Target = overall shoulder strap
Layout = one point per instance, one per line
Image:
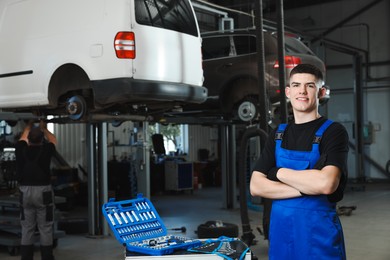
(321, 130)
(279, 133)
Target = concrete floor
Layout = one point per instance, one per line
(367, 230)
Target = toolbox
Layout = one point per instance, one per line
(137, 225)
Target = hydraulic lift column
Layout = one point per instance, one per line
(97, 177)
(228, 165)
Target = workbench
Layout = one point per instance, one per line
(10, 229)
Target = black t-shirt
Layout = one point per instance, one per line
(334, 144)
(33, 163)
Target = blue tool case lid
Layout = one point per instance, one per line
(133, 220)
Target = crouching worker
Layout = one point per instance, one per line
(34, 151)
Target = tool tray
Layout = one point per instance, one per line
(137, 225)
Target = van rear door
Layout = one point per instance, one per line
(170, 39)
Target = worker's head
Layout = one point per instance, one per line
(305, 88)
(309, 69)
(35, 136)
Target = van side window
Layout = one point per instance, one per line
(173, 15)
(215, 47)
(245, 44)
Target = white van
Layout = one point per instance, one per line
(123, 56)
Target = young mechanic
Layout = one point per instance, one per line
(303, 170)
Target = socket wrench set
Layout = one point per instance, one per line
(137, 225)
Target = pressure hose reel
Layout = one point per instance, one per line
(247, 236)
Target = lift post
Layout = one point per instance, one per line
(97, 177)
(228, 161)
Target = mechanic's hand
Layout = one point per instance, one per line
(29, 124)
(42, 125)
(272, 174)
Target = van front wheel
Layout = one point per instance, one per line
(76, 107)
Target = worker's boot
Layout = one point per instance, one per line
(47, 252)
(27, 252)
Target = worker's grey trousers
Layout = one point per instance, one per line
(37, 211)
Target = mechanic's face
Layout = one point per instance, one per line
(304, 92)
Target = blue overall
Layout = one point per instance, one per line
(305, 227)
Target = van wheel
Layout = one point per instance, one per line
(247, 110)
(76, 107)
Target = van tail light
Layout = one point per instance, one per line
(290, 62)
(124, 45)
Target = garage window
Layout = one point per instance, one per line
(175, 137)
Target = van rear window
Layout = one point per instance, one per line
(295, 45)
(173, 15)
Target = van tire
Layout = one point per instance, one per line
(76, 107)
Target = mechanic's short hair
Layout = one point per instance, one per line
(35, 136)
(308, 68)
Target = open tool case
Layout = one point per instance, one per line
(137, 225)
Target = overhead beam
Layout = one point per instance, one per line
(347, 19)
